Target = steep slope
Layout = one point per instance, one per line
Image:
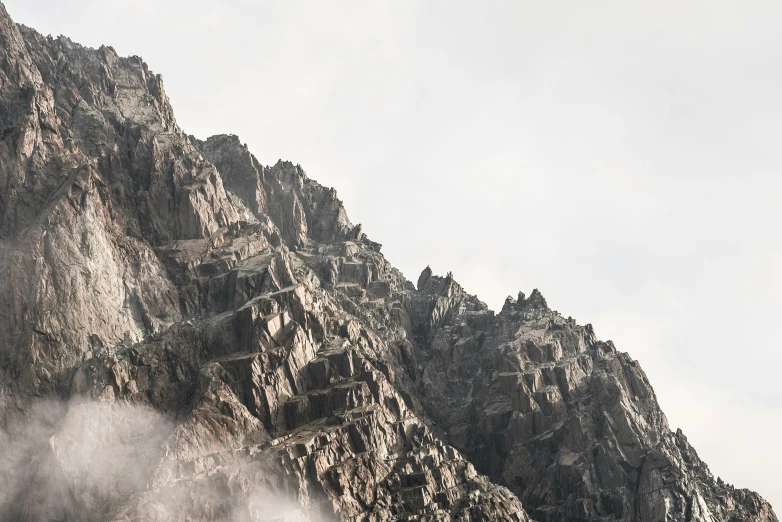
(186, 334)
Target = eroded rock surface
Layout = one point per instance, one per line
(186, 334)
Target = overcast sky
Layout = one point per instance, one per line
(623, 157)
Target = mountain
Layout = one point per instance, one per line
(186, 334)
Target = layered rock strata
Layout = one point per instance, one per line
(249, 354)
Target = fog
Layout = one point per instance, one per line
(77, 458)
(89, 460)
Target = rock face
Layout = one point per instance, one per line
(186, 334)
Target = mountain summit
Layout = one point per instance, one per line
(186, 334)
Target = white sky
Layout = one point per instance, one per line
(623, 157)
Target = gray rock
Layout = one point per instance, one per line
(186, 334)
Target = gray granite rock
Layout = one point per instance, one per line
(186, 334)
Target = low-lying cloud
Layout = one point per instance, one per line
(78, 459)
(89, 460)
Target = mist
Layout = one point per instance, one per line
(89, 460)
(82, 457)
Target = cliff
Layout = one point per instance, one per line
(186, 334)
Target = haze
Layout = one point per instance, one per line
(623, 157)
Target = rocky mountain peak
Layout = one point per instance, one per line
(187, 334)
(522, 302)
(426, 274)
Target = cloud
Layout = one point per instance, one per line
(89, 460)
(77, 459)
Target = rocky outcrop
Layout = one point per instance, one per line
(562, 419)
(186, 334)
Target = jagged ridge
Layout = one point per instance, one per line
(145, 267)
